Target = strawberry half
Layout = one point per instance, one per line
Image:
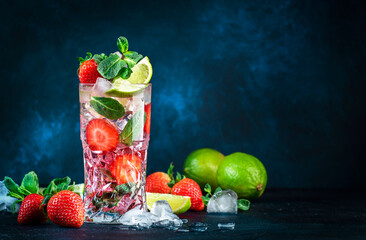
(188, 187)
(30, 211)
(148, 118)
(66, 209)
(88, 70)
(126, 168)
(101, 135)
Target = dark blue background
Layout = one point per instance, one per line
(281, 80)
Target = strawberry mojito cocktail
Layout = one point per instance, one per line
(115, 112)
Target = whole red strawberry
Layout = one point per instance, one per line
(30, 211)
(66, 209)
(188, 187)
(88, 72)
(157, 182)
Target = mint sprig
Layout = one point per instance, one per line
(115, 66)
(243, 204)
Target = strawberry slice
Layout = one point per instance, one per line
(126, 168)
(101, 135)
(148, 118)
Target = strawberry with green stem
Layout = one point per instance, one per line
(34, 199)
(157, 182)
(187, 187)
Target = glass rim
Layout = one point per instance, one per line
(92, 84)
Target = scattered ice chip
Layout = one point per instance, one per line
(198, 227)
(230, 226)
(101, 86)
(5, 201)
(225, 201)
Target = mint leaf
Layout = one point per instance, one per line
(107, 107)
(111, 66)
(122, 44)
(30, 183)
(217, 190)
(205, 200)
(99, 57)
(133, 128)
(208, 189)
(132, 58)
(125, 188)
(125, 72)
(243, 204)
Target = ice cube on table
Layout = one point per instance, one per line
(163, 211)
(101, 86)
(5, 201)
(225, 201)
(230, 226)
(137, 218)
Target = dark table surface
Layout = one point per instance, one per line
(279, 214)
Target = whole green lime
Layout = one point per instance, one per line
(201, 166)
(244, 174)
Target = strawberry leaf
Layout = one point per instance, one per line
(13, 187)
(30, 183)
(88, 57)
(99, 57)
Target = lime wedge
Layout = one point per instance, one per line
(123, 88)
(179, 204)
(79, 189)
(141, 72)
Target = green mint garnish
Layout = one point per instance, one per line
(132, 129)
(122, 44)
(111, 66)
(115, 66)
(243, 204)
(107, 107)
(132, 58)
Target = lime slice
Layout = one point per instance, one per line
(79, 189)
(123, 88)
(179, 204)
(141, 72)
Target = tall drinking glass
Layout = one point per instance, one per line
(115, 133)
